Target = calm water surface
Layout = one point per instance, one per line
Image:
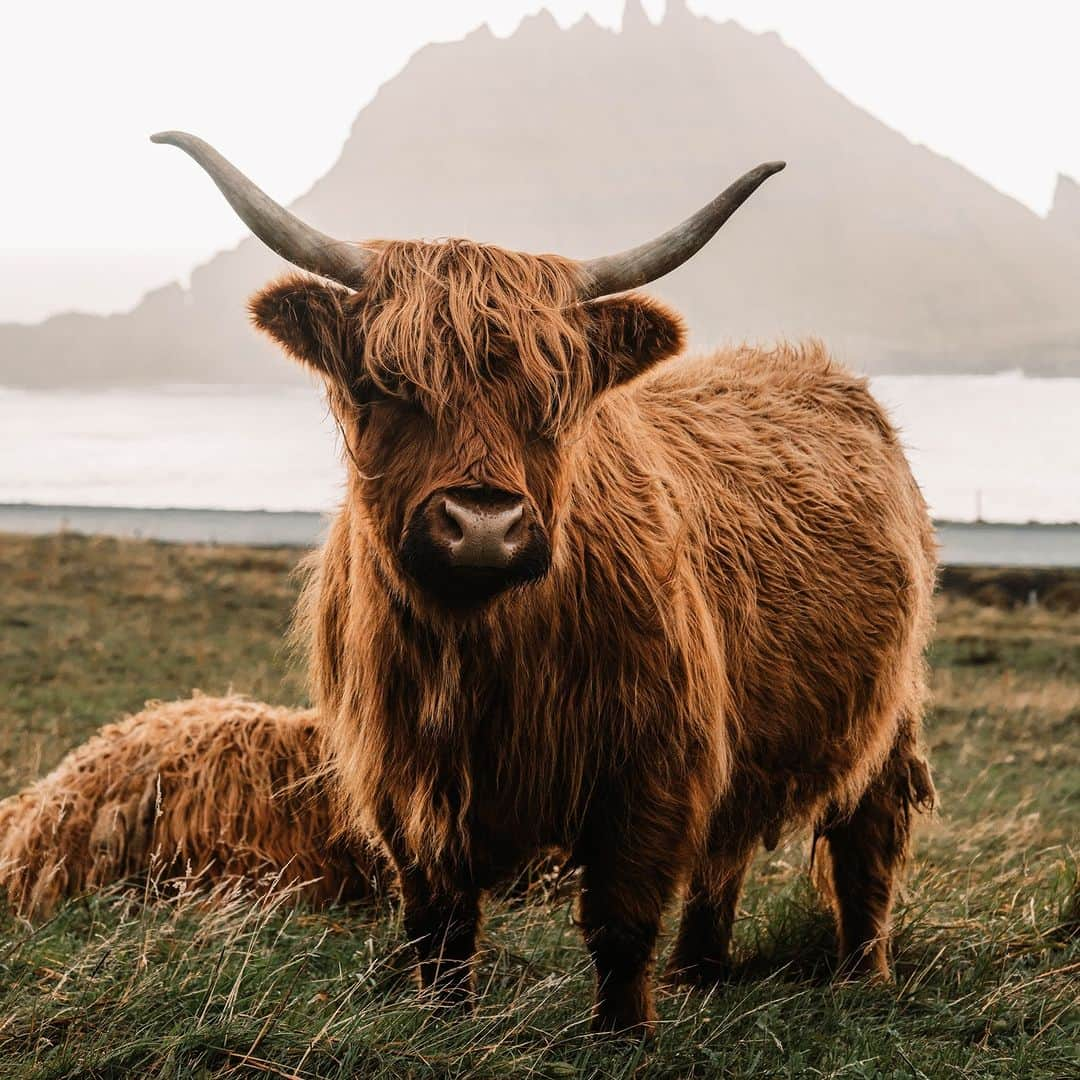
(1003, 447)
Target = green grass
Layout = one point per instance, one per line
(987, 945)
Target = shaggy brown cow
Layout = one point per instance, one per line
(649, 612)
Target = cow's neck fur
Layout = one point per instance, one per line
(432, 708)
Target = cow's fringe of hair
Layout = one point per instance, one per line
(441, 318)
(209, 789)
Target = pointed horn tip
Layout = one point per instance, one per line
(769, 168)
(173, 138)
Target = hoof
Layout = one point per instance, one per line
(870, 966)
(617, 1026)
(698, 974)
(625, 1012)
(449, 995)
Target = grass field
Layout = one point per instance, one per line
(987, 944)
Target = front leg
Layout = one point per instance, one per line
(441, 923)
(633, 863)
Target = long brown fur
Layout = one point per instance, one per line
(728, 643)
(209, 789)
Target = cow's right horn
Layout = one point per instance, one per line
(275, 226)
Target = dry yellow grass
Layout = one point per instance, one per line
(987, 946)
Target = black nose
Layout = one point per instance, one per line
(463, 546)
(480, 530)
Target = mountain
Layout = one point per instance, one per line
(585, 141)
(1065, 210)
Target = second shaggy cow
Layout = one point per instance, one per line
(208, 790)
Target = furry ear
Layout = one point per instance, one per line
(307, 318)
(630, 333)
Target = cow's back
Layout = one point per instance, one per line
(816, 551)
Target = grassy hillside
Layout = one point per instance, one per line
(987, 949)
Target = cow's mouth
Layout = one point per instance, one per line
(467, 588)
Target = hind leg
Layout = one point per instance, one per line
(702, 949)
(866, 850)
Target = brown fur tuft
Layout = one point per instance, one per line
(439, 321)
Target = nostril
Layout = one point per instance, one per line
(513, 524)
(450, 523)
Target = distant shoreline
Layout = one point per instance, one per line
(962, 543)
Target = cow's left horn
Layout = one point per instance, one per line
(640, 265)
(278, 229)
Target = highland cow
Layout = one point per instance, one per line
(588, 592)
(209, 790)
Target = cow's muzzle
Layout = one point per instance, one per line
(463, 546)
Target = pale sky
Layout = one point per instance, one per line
(92, 215)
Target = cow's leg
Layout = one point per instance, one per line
(442, 924)
(630, 873)
(441, 921)
(702, 949)
(866, 850)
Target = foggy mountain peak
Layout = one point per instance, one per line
(1065, 209)
(587, 140)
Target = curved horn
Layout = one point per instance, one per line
(640, 265)
(278, 229)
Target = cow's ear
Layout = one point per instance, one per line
(628, 334)
(308, 319)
